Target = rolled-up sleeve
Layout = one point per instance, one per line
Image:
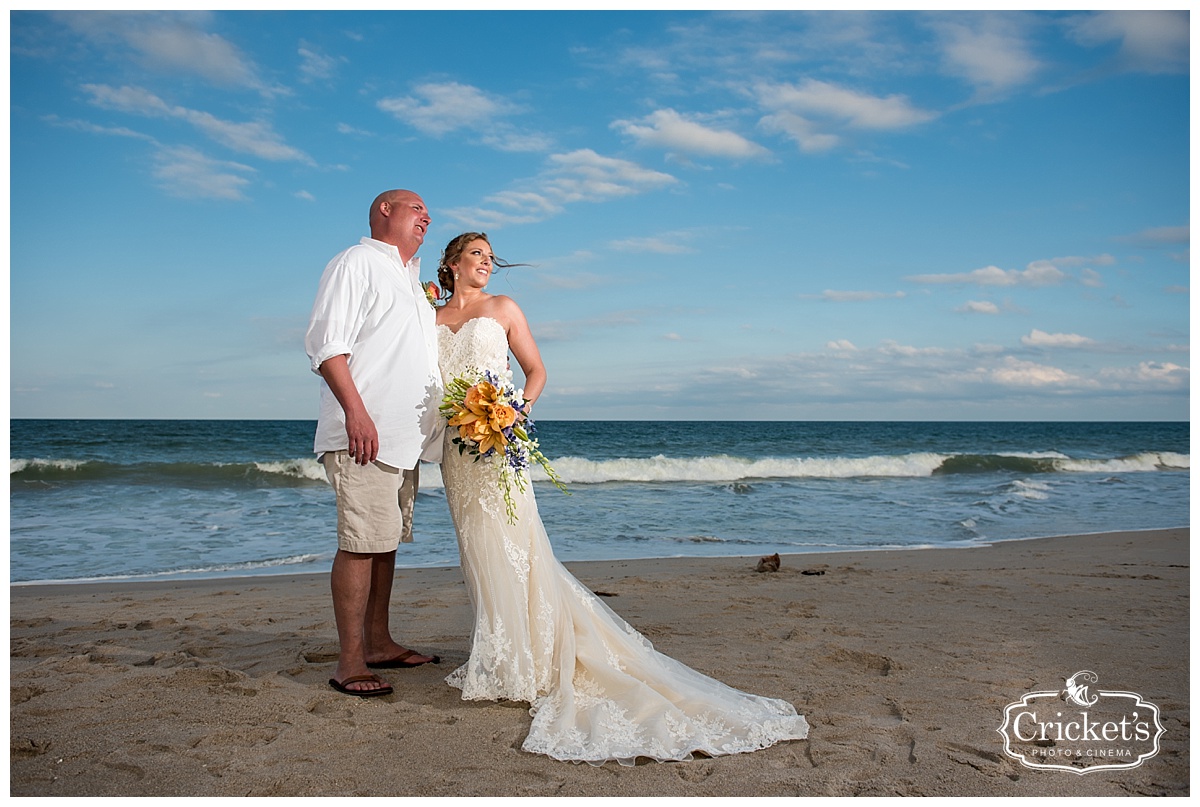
(337, 313)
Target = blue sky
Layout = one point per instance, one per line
(785, 215)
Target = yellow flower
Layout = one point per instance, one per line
(463, 416)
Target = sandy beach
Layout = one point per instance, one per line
(903, 663)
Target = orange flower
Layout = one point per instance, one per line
(480, 397)
(501, 416)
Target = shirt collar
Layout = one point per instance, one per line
(391, 251)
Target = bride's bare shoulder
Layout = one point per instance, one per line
(505, 310)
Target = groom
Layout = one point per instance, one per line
(372, 339)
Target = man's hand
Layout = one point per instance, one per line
(363, 437)
(361, 433)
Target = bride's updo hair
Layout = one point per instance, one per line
(454, 251)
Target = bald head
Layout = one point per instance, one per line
(399, 217)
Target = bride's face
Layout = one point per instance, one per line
(474, 267)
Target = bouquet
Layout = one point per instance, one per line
(494, 425)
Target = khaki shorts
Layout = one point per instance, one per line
(374, 503)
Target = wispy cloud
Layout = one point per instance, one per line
(503, 138)
(836, 296)
(1149, 374)
(1038, 273)
(257, 138)
(92, 128)
(1014, 372)
(179, 170)
(1161, 236)
(978, 307)
(184, 171)
(315, 66)
(674, 243)
(852, 108)
(1037, 338)
(668, 129)
(992, 52)
(438, 108)
(812, 112)
(347, 129)
(801, 130)
(1150, 41)
(577, 176)
(174, 42)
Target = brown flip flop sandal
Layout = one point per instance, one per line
(362, 693)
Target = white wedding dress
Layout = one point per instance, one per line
(598, 689)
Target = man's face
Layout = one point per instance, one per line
(408, 219)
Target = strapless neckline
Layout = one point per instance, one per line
(468, 322)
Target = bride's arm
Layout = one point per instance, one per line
(525, 350)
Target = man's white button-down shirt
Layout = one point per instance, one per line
(370, 305)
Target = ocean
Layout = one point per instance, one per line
(100, 500)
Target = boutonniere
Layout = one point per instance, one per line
(432, 293)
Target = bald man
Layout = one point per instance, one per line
(373, 340)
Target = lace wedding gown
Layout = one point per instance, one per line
(598, 689)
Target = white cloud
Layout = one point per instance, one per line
(347, 129)
(184, 171)
(170, 41)
(503, 139)
(577, 176)
(841, 344)
(92, 128)
(1091, 278)
(801, 130)
(584, 175)
(850, 107)
(1038, 273)
(859, 296)
(314, 65)
(890, 347)
(305, 195)
(440, 108)
(1014, 372)
(1079, 260)
(1038, 338)
(674, 243)
(1151, 41)
(1161, 236)
(253, 137)
(668, 129)
(991, 51)
(978, 307)
(1149, 374)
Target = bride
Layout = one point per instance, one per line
(598, 689)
